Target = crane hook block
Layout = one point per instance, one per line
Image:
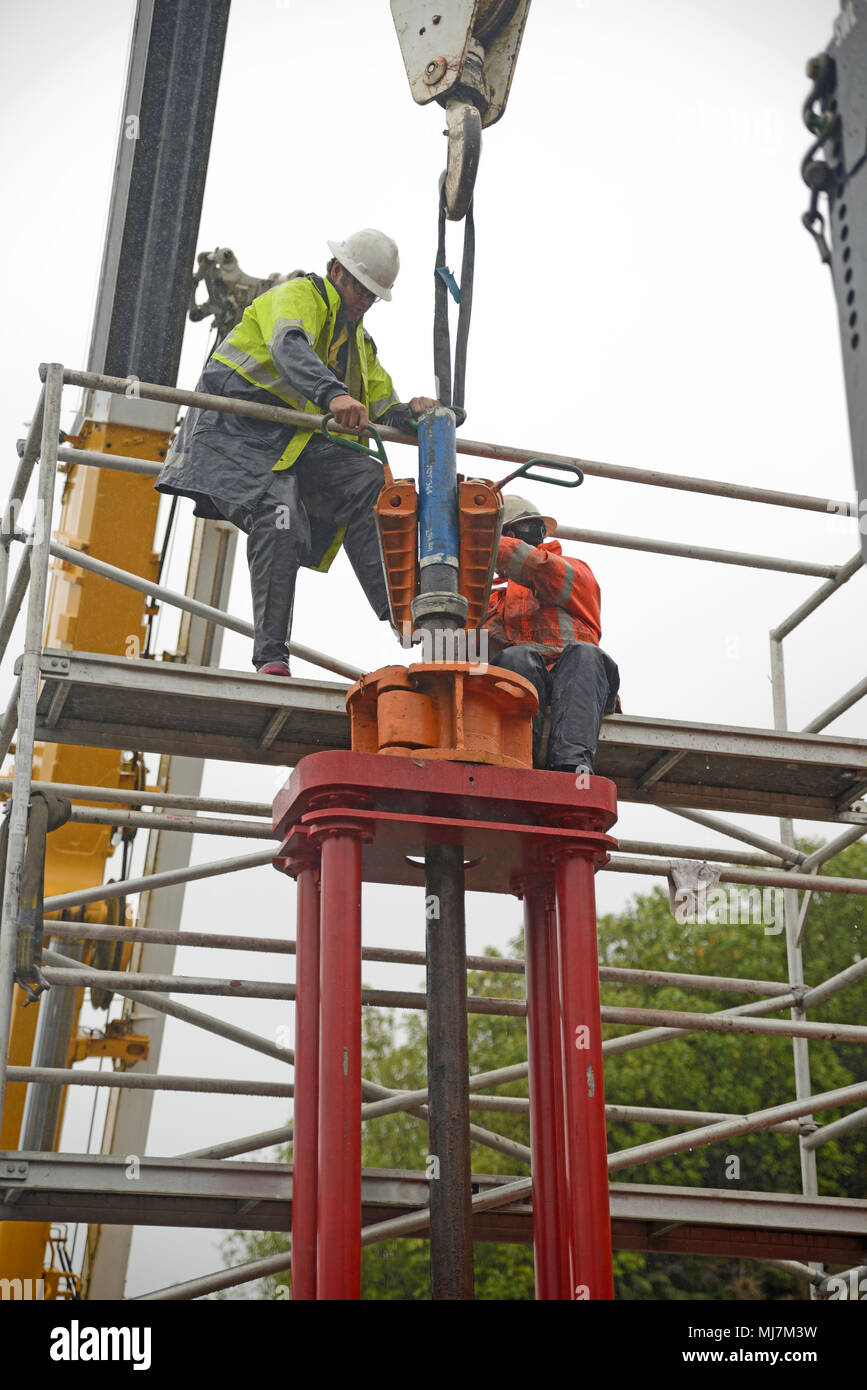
(461, 48)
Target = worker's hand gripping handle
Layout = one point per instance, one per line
(378, 452)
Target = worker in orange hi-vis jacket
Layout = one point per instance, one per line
(543, 623)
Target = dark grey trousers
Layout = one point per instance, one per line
(580, 690)
(294, 524)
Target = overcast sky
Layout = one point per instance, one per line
(645, 295)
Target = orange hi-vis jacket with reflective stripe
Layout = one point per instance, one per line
(545, 600)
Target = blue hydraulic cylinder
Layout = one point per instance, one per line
(438, 604)
(438, 490)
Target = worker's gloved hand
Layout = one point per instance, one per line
(349, 413)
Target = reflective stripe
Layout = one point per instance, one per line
(259, 374)
(237, 357)
(325, 563)
(567, 627)
(283, 324)
(566, 588)
(516, 561)
(378, 408)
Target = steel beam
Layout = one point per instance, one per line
(156, 201)
(448, 1073)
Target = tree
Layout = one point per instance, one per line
(700, 1071)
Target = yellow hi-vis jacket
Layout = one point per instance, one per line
(253, 351)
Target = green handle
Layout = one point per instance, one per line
(378, 452)
(576, 479)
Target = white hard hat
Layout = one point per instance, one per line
(371, 257)
(519, 509)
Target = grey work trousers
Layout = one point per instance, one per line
(581, 688)
(294, 523)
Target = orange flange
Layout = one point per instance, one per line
(479, 514)
(397, 523)
(444, 710)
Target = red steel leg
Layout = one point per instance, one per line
(306, 1119)
(339, 1185)
(550, 1197)
(586, 1155)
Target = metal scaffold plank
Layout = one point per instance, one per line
(194, 711)
(231, 1195)
(106, 701)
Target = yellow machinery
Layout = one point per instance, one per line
(85, 613)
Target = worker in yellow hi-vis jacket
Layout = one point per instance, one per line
(297, 496)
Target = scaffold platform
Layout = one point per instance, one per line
(197, 711)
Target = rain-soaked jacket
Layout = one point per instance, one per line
(219, 457)
(544, 599)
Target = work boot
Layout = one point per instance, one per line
(275, 668)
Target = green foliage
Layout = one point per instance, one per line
(733, 1073)
(730, 1073)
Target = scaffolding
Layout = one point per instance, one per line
(692, 770)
